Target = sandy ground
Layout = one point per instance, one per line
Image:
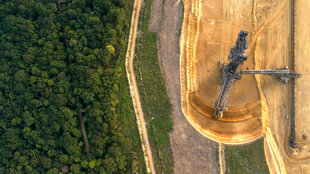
(302, 63)
(147, 152)
(280, 157)
(295, 160)
(192, 152)
(258, 104)
(210, 28)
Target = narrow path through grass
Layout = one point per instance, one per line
(130, 128)
(153, 94)
(127, 116)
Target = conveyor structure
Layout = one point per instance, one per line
(229, 73)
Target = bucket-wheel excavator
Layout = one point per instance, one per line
(229, 73)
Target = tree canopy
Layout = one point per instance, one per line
(59, 84)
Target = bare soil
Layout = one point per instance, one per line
(210, 28)
(258, 104)
(192, 152)
(277, 42)
(302, 63)
(296, 161)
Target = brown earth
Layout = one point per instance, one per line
(210, 28)
(302, 63)
(192, 152)
(295, 160)
(258, 104)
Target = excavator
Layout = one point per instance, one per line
(229, 73)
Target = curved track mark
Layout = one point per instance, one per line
(265, 24)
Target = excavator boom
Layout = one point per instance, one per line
(237, 58)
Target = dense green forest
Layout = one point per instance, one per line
(59, 86)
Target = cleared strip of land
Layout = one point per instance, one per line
(134, 90)
(192, 153)
(153, 93)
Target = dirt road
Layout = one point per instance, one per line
(192, 152)
(134, 89)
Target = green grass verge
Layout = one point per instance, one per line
(153, 94)
(127, 117)
(129, 126)
(248, 158)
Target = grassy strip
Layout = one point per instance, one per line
(153, 94)
(246, 159)
(129, 126)
(126, 114)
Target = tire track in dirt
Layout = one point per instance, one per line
(222, 162)
(147, 153)
(275, 154)
(276, 157)
(265, 24)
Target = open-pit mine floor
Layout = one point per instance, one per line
(279, 33)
